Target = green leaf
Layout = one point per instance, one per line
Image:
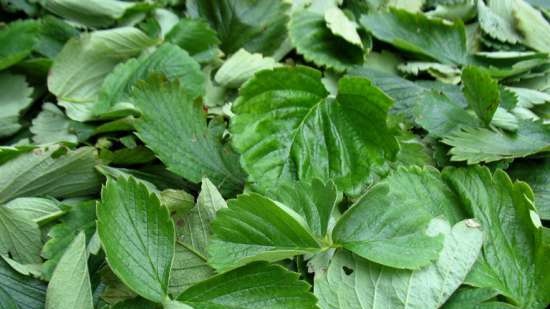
(441, 116)
(138, 237)
(51, 171)
(19, 236)
(174, 127)
(92, 13)
(314, 201)
(257, 26)
(446, 73)
(28, 293)
(72, 272)
(197, 38)
(240, 67)
(193, 229)
(376, 229)
(52, 126)
(189, 268)
(80, 68)
(537, 174)
(255, 228)
(78, 218)
(476, 145)
(17, 41)
(6, 302)
(254, 286)
(317, 43)
(37, 209)
(15, 97)
(481, 91)
(352, 282)
(496, 25)
(514, 259)
(532, 25)
(341, 26)
(286, 128)
(168, 59)
(482, 298)
(433, 38)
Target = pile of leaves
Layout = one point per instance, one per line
(274, 154)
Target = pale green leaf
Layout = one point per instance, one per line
(514, 260)
(138, 237)
(481, 91)
(434, 38)
(20, 236)
(193, 229)
(52, 126)
(495, 25)
(376, 228)
(174, 127)
(316, 42)
(189, 268)
(532, 25)
(72, 271)
(287, 129)
(14, 99)
(443, 72)
(255, 228)
(341, 26)
(80, 68)
(478, 298)
(240, 67)
(93, 13)
(50, 171)
(476, 145)
(255, 286)
(35, 208)
(352, 282)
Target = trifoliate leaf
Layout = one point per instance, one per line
(476, 145)
(80, 68)
(174, 127)
(341, 26)
(17, 41)
(138, 237)
(72, 271)
(26, 292)
(514, 259)
(434, 38)
(255, 228)
(376, 229)
(257, 26)
(240, 67)
(14, 99)
(168, 59)
(314, 201)
(255, 286)
(352, 282)
(50, 171)
(481, 91)
(197, 38)
(317, 43)
(287, 129)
